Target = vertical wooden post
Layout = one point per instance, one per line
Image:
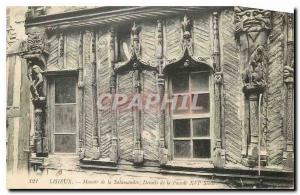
(96, 148)
(218, 153)
(288, 155)
(113, 86)
(138, 154)
(81, 149)
(163, 152)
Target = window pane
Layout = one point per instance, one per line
(200, 103)
(180, 83)
(201, 148)
(201, 127)
(182, 128)
(182, 149)
(65, 118)
(182, 104)
(199, 81)
(65, 90)
(65, 143)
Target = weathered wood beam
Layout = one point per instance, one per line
(288, 155)
(218, 152)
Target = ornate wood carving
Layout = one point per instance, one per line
(113, 86)
(187, 41)
(252, 30)
(95, 144)
(163, 152)
(36, 53)
(219, 153)
(138, 153)
(81, 149)
(288, 74)
(136, 47)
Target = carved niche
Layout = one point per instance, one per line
(252, 28)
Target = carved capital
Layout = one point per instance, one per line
(288, 74)
(36, 48)
(251, 20)
(218, 77)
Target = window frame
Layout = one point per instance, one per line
(51, 113)
(191, 116)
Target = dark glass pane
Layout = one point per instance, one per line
(180, 83)
(65, 118)
(65, 143)
(65, 90)
(199, 81)
(200, 103)
(201, 127)
(182, 128)
(182, 149)
(182, 104)
(201, 148)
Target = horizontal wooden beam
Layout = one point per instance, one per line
(109, 15)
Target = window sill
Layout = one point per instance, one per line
(190, 164)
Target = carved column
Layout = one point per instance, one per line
(252, 30)
(218, 152)
(81, 149)
(138, 153)
(36, 53)
(113, 86)
(288, 73)
(163, 152)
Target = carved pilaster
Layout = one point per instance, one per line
(95, 143)
(288, 74)
(187, 41)
(113, 86)
(252, 30)
(81, 149)
(138, 153)
(218, 152)
(36, 53)
(163, 152)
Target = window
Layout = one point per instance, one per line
(191, 138)
(64, 125)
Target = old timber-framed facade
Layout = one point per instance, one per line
(239, 61)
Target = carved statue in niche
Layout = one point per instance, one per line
(252, 28)
(36, 77)
(253, 77)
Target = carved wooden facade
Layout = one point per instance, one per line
(247, 52)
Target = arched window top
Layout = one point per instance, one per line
(187, 62)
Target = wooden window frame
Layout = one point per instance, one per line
(51, 114)
(191, 116)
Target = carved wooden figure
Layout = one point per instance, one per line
(252, 30)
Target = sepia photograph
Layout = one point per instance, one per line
(150, 97)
